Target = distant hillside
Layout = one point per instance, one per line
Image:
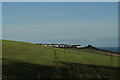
(25, 60)
(97, 50)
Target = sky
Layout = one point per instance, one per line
(0, 20)
(84, 23)
(60, 0)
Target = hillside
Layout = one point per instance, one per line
(25, 60)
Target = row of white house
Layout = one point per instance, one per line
(62, 45)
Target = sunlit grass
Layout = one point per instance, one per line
(74, 59)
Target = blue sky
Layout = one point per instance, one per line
(81, 23)
(60, 0)
(0, 20)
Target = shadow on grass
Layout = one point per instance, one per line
(16, 69)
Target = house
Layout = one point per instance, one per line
(78, 46)
(62, 45)
(56, 45)
(75, 46)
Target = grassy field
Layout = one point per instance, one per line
(27, 60)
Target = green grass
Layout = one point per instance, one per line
(21, 58)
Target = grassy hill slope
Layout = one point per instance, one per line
(25, 60)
